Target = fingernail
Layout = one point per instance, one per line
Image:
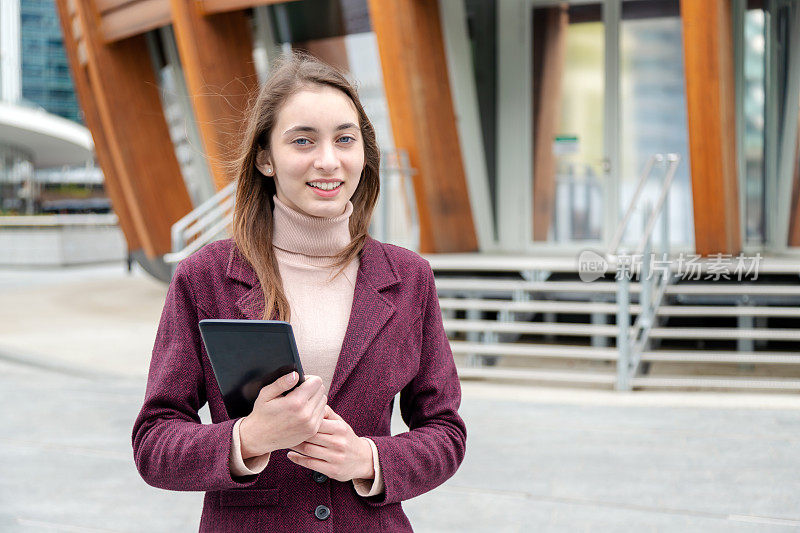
(291, 377)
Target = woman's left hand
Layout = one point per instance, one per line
(335, 451)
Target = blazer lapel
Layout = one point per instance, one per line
(370, 311)
(251, 304)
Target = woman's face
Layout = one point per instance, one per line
(316, 152)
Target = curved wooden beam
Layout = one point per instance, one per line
(710, 98)
(216, 55)
(423, 119)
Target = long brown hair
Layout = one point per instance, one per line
(252, 216)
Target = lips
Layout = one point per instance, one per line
(326, 183)
(326, 194)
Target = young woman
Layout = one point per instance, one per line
(365, 316)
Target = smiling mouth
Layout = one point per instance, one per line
(325, 186)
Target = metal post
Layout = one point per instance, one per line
(665, 228)
(645, 279)
(623, 326)
(474, 360)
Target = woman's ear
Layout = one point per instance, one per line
(263, 164)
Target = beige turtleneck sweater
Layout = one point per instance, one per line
(305, 247)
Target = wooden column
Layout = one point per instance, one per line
(216, 55)
(794, 215)
(549, 52)
(332, 51)
(708, 58)
(417, 88)
(70, 28)
(131, 127)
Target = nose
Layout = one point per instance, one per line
(327, 159)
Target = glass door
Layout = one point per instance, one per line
(653, 113)
(569, 170)
(570, 166)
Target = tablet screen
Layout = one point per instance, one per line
(246, 355)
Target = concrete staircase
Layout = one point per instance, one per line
(532, 319)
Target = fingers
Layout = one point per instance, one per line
(332, 415)
(320, 439)
(319, 411)
(313, 450)
(277, 387)
(308, 462)
(330, 427)
(310, 387)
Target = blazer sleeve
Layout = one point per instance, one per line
(172, 449)
(424, 457)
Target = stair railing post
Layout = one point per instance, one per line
(645, 277)
(623, 326)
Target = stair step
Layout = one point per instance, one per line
(483, 262)
(534, 350)
(551, 306)
(698, 356)
(710, 382)
(733, 310)
(487, 285)
(784, 334)
(487, 262)
(733, 289)
(536, 328)
(535, 306)
(551, 376)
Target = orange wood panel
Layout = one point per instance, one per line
(216, 54)
(72, 31)
(133, 18)
(417, 89)
(107, 5)
(332, 50)
(550, 53)
(125, 92)
(794, 216)
(221, 6)
(708, 60)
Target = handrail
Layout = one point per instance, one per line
(201, 225)
(623, 225)
(632, 340)
(674, 160)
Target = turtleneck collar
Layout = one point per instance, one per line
(308, 235)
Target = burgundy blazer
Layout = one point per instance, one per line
(394, 343)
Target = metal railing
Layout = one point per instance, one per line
(633, 339)
(202, 225)
(578, 203)
(395, 219)
(396, 209)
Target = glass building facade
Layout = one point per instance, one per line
(46, 78)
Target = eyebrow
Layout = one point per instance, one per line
(311, 129)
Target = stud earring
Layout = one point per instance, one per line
(269, 171)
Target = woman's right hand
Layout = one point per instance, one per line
(279, 422)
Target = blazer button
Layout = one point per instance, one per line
(322, 512)
(319, 477)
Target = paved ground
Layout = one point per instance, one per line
(537, 459)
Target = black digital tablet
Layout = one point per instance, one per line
(246, 355)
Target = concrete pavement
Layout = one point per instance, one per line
(537, 459)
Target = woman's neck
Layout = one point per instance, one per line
(301, 233)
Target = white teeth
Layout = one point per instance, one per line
(325, 186)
